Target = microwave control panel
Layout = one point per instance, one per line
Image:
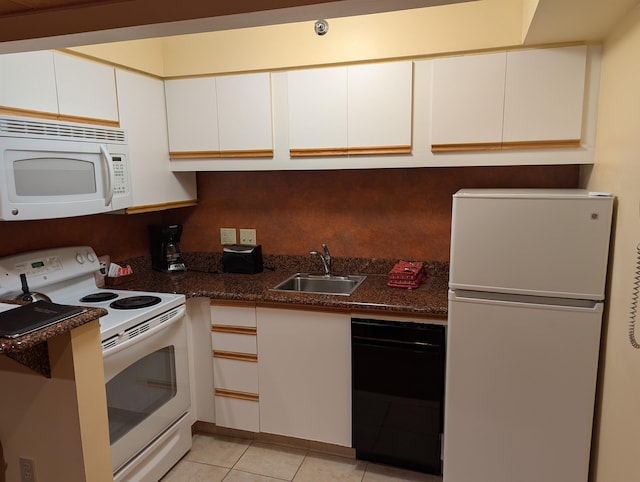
(120, 176)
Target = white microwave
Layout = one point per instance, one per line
(54, 169)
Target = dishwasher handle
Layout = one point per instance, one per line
(370, 340)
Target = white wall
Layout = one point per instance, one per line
(412, 33)
(617, 169)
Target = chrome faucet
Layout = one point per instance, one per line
(325, 258)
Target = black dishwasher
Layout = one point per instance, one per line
(398, 392)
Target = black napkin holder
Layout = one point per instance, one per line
(242, 258)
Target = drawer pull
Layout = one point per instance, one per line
(221, 392)
(230, 355)
(238, 330)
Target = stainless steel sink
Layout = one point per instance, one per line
(328, 285)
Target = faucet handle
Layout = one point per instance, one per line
(326, 250)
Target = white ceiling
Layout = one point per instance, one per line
(69, 24)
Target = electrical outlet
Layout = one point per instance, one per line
(27, 470)
(228, 236)
(248, 236)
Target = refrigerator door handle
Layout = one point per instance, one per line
(522, 300)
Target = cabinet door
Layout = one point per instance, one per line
(305, 374)
(235, 366)
(244, 114)
(155, 186)
(200, 371)
(235, 314)
(192, 115)
(86, 89)
(318, 111)
(544, 94)
(380, 106)
(27, 82)
(468, 98)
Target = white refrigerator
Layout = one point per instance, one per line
(526, 290)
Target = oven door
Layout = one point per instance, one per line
(147, 384)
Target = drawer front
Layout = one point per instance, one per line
(237, 413)
(233, 315)
(237, 375)
(234, 342)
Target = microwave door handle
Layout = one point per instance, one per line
(109, 161)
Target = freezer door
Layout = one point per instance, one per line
(536, 245)
(520, 390)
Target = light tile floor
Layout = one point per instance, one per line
(216, 458)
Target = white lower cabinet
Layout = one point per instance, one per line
(235, 366)
(305, 374)
(282, 371)
(200, 372)
(237, 413)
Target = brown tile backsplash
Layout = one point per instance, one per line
(369, 213)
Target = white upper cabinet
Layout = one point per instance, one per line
(506, 100)
(468, 97)
(54, 85)
(380, 104)
(155, 186)
(244, 112)
(192, 114)
(27, 82)
(361, 109)
(544, 94)
(228, 116)
(86, 89)
(318, 109)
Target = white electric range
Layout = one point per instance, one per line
(145, 356)
(66, 275)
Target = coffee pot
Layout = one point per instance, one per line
(165, 248)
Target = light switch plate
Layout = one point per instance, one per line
(228, 235)
(248, 236)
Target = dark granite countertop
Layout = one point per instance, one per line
(31, 349)
(21, 343)
(205, 278)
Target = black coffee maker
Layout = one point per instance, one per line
(165, 248)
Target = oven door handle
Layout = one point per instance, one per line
(179, 315)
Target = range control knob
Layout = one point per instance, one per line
(80, 258)
(91, 257)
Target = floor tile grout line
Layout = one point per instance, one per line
(300, 466)
(276, 446)
(229, 469)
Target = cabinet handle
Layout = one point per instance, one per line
(238, 330)
(221, 392)
(510, 145)
(348, 151)
(230, 355)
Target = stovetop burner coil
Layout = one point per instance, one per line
(134, 302)
(98, 297)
